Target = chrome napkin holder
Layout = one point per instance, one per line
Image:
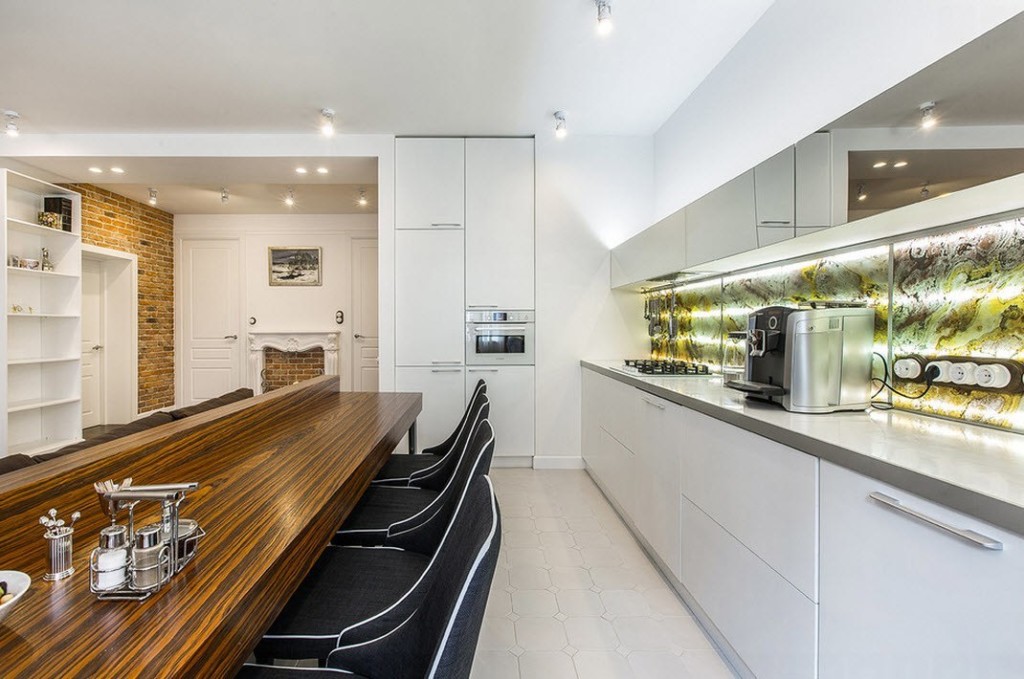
(173, 556)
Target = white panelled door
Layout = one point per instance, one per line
(92, 343)
(211, 346)
(365, 355)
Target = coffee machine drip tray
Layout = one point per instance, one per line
(756, 388)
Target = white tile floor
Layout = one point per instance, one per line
(575, 597)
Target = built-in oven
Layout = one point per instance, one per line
(499, 337)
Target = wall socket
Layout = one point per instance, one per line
(969, 373)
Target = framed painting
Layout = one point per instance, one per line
(294, 266)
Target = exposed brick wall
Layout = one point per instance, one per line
(113, 221)
(281, 368)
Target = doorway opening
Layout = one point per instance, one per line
(109, 336)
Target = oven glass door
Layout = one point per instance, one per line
(497, 344)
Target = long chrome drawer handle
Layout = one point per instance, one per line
(482, 370)
(964, 533)
(446, 370)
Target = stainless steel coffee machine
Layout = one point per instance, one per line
(815, 360)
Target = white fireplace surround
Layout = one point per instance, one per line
(290, 342)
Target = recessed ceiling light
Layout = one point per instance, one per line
(327, 122)
(11, 123)
(560, 129)
(289, 200)
(301, 170)
(604, 17)
(96, 170)
(152, 196)
(879, 164)
(928, 118)
(117, 170)
(321, 170)
(900, 163)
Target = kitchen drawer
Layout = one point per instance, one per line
(617, 407)
(765, 494)
(770, 624)
(615, 467)
(901, 597)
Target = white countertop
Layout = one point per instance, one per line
(905, 449)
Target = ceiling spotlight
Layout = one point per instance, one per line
(321, 170)
(300, 170)
(117, 170)
(928, 119)
(900, 163)
(880, 164)
(362, 198)
(925, 193)
(289, 200)
(224, 196)
(11, 123)
(327, 122)
(152, 196)
(604, 17)
(560, 129)
(96, 170)
(860, 193)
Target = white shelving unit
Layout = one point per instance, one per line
(41, 370)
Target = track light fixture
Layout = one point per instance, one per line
(11, 123)
(925, 193)
(327, 122)
(560, 129)
(152, 196)
(362, 198)
(861, 196)
(289, 200)
(604, 17)
(224, 196)
(928, 118)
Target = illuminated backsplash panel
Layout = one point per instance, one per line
(959, 293)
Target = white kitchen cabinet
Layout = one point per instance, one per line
(814, 181)
(510, 390)
(444, 401)
(656, 479)
(499, 223)
(902, 598)
(770, 624)
(656, 251)
(430, 176)
(764, 493)
(429, 297)
(774, 190)
(774, 234)
(722, 222)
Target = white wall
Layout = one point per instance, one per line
(590, 192)
(804, 64)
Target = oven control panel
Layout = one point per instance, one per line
(490, 316)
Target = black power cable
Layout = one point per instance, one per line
(931, 373)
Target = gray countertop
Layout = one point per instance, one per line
(973, 469)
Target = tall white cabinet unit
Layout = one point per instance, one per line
(41, 371)
(464, 240)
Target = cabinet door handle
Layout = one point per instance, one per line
(446, 363)
(482, 306)
(963, 533)
(774, 222)
(446, 223)
(482, 370)
(652, 403)
(446, 370)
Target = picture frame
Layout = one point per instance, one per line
(294, 266)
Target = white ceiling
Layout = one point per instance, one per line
(426, 67)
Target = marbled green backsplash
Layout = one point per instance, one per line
(958, 293)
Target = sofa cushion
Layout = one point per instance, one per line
(223, 400)
(148, 422)
(10, 463)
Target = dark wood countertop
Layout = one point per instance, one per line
(278, 474)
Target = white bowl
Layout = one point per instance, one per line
(17, 584)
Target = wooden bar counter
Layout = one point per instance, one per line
(278, 473)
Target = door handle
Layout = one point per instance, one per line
(230, 336)
(358, 336)
(97, 347)
(964, 533)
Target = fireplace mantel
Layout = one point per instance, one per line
(290, 342)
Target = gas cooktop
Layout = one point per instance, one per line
(660, 368)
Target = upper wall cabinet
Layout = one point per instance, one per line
(774, 191)
(430, 183)
(499, 223)
(722, 222)
(814, 182)
(654, 252)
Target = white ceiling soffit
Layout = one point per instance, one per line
(438, 67)
(254, 199)
(982, 83)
